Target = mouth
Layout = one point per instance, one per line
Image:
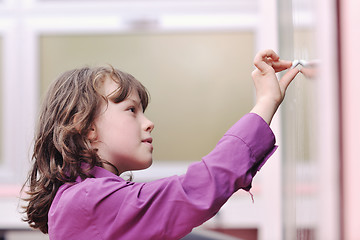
(148, 140)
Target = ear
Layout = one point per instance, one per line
(76, 122)
(92, 136)
(92, 131)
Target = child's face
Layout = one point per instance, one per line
(122, 133)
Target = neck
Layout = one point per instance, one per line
(111, 168)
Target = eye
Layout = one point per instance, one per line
(132, 109)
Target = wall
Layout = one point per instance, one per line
(199, 83)
(350, 86)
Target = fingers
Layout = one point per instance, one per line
(287, 78)
(281, 65)
(268, 60)
(263, 59)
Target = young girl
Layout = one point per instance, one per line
(92, 128)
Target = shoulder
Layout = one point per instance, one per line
(86, 201)
(83, 195)
(90, 189)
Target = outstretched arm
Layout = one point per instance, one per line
(270, 91)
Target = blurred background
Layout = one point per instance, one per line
(195, 58)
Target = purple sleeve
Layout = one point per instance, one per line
(178, 204)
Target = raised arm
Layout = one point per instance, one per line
(270, 91)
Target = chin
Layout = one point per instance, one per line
(144, 165)
(148, 164)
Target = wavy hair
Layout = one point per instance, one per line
(61, 145)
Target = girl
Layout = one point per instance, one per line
(92, 128)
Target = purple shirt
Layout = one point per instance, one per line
(108, 207)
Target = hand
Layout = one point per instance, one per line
(309, 72)
(270, 91)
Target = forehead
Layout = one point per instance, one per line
(109, 86)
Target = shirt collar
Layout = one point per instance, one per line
(99, 172)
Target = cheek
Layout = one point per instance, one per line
(124, 133)
(118, 130)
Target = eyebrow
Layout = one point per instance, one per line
(138, 103)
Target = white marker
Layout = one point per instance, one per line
(304, 63)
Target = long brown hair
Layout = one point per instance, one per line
(61, 144)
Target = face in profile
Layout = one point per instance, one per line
(122, 133)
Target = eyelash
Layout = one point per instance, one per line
(132, 109)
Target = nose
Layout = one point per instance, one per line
(148, 125)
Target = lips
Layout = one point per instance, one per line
(147, 140)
